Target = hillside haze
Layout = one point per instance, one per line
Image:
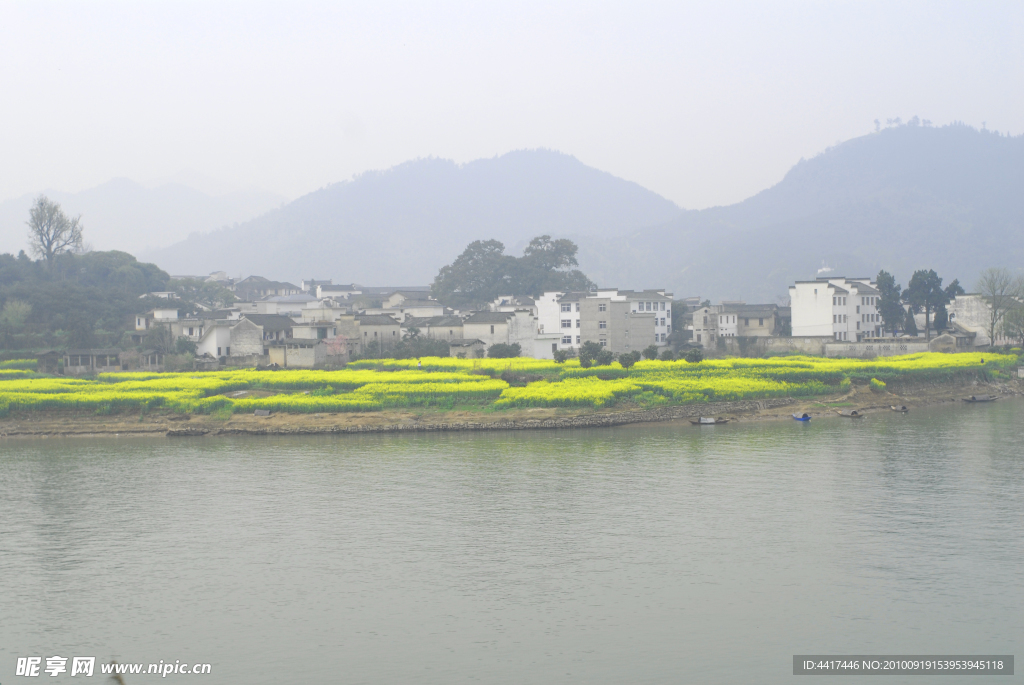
(905, 198)
(402, 225)
(124, 215)
(902, 199)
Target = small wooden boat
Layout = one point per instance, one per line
(851, 414)
(981, 398)
(708, 421)
(802, 417)
(900, 408)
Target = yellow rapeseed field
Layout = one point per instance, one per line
(445, 382)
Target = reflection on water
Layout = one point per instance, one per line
(647, 553)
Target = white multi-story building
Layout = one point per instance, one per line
(559, 313)
(843, 308)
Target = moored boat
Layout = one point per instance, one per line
(851, 414)
(981, 398)
(708, 421)
(900, 408)
(802, 417)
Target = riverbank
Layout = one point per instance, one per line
(159, 423)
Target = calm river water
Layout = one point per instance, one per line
(643, 554)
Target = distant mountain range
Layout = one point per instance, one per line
(402, 225)
(904, 198)
(123, 215)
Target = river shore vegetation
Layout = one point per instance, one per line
(484, 384)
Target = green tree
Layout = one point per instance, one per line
(941, 315)
(909, 324)
(477, 275)
(483, 272)
(1013, 325)
(890, 304)
(12, 319)
(627, 359)
(546, 265)
(504, 351)
(588, 352)
(925, 292)
(695, 356)
(51, 232)
(1003, 294)
(650, 352)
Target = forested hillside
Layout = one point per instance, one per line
(905, 198)
(77, 301)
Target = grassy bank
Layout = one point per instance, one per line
(483, 385)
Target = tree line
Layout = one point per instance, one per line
(1001, 290)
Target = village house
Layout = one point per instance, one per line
(309, 285)
(377, 328)
(276, 328)
(511, 303)
(286, 305)
(314, 330)
(257, 287)
(464, 348)
(337, 292)
(507, 328)
(434, 327)
(970, 315)
(843, 308)
(231, 338)
(79, 362)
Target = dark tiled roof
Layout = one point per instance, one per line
(106, 350)
(464, 342)
(375, 320)
(489, 317)
(271, 322)
(752, 309)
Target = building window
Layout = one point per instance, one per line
(698, 337)
(662, 306)
(602, 324)
(577, 340)
(602, 307)
(566, 323)
(227, 351)
(566, 307)
(577, 323)
(577, 306)
(604, 343)
(760, 322)
(218, 352)
(492, 329)
(567, 340)
(746, 322)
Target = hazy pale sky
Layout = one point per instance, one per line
(705, 103)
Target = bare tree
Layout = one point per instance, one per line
(51, 232)
(1002, 292)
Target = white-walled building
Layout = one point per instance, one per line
(559, 313)
(843, 308)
